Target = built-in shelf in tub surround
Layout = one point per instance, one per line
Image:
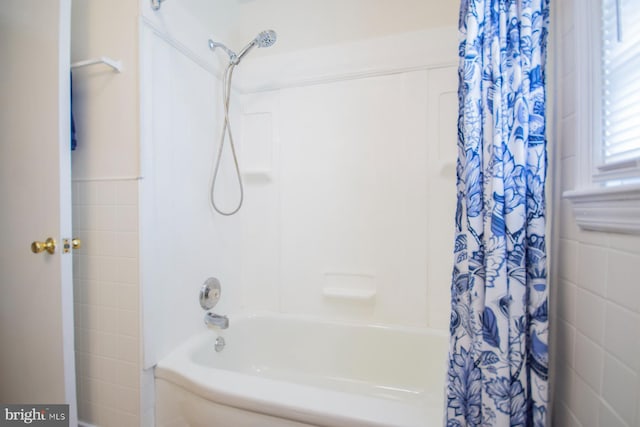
(350, 294)
(349, 286)
(256, 146)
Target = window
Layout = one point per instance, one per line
(618, 159)
(607, 36)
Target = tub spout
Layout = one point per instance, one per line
(211, 319)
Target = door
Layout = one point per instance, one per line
(36, 294)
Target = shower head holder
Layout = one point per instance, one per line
(213, 45)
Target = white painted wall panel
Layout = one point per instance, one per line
(363, 166)
(441, 187)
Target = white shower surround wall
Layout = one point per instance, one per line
(279, 370)
(348, 156)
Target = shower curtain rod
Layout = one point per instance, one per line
(155, 4)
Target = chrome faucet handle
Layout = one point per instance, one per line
(210, 293)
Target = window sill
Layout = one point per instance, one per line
(610, 209)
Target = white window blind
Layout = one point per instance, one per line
(620, 150)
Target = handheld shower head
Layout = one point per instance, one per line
(264, 39)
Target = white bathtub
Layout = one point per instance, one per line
(278, 371)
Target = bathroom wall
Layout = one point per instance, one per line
(347, 152)
(105, 173)
(598, 297)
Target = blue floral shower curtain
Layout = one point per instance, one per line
(497, 368)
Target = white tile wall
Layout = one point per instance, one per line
(623, 281)
(621, 337)
(105, 215)
(590, 314)
(598, 299)
(585, 404)
(590, 272)
(589, 361)
(566, 340)
(619, 388)
(608, 417)
(567, 301)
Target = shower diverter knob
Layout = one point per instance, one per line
(210, 293)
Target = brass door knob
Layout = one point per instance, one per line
(48, 245)
(76, 243)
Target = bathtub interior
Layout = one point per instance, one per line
(378, 361)
(307, 370)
